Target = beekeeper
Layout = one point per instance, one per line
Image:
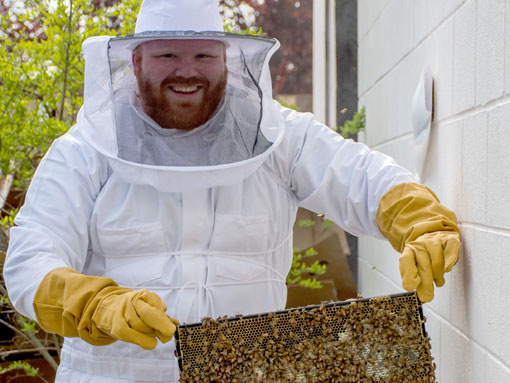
(174, 196)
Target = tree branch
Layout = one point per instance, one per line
(66, 67)
(42, 349)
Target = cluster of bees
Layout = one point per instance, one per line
(381, 340)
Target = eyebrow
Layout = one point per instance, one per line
(209, 51)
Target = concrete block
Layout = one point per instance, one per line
(484, 278)
(453, 366)
(364, 65)
(373, 112)
(450, 6)
(369, 50)
(490, 47)
(441, 303)
(368, 12)
(483, 367)
(464, 58)
(385, 94)
(381, 115)
(499, 249)
(442, 170)
(382, 258)
(442, 71)
(400, 150)
(427, 14)
(371, 283)
(386, 42)
(388, 95)
(474, 169)
(459, 280)
(396, 32)
(498, 179)
(374, 117)
(408, 74)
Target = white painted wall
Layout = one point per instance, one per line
(466, 44)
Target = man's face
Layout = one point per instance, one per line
(181, 82)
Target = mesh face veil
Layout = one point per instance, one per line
(232, 128)
(232, 133)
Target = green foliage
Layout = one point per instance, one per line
(309, 223)
(351, 127)
(18, 365)
(41, 91)
(7, 220)
(290, 106)
(303, 273)
(233, 28)
(41, 74)
(306, 223)
(326, 223)
(28, 324)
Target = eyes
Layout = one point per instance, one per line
(198, 56)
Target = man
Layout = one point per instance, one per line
(174, 196)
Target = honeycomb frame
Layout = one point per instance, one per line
(380, 340)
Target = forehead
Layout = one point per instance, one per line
(183, 45)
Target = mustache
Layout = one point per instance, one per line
(184, 81)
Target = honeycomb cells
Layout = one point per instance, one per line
(380, 340)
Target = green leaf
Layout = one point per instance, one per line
(29, 325)
(327, 223)
(19, 365)
(300, 271)
(305, 223)
(311, 283)
(351, 127)
(311, 252)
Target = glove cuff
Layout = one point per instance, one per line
(410, 210)
(65, 300)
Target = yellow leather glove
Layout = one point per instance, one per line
(424, 231)
(100, 312)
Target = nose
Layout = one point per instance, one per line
(186, 68)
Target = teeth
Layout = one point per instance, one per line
(185, 89)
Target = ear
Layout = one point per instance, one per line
(135, 60)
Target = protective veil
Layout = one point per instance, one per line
(229, 147)
(211, 234)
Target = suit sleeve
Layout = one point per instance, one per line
(339, 177)
(52, 227)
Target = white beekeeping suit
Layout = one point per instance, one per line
(202, 218)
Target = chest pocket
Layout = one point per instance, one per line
(134, 256)
(243, 246)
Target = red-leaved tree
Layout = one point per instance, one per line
(290, 22)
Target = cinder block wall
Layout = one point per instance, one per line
(466, 45)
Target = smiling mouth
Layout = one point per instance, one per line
(185, 89)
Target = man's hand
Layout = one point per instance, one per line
(100, 312)
(134, 316)
(424, 231)
(426, 259)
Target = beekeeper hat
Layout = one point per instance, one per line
(179, 15)
(187, 19)
(240, 136)
(159, 16)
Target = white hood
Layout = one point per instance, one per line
(114, 126)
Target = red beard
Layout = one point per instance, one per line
(176, 114)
